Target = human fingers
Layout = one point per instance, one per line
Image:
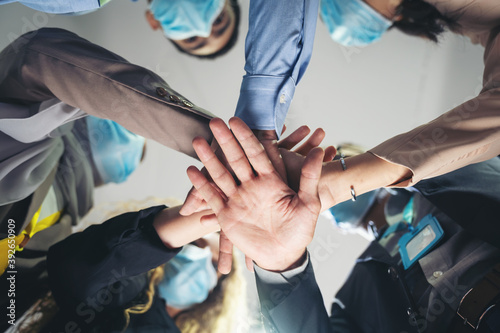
(294, 138)
(311, 173)
(274, 155)
(220, 155)
(249, 264)
(225, 254)
(219, 174)
(213, 198)
(194, 203)
(330, 153)
(283, 130)
(235, 156)
(313, 141)
(253, 149)
(293, 163)
(209, 220)
(269, 141)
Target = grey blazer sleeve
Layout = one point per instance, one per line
(292, 303)
(54, 63)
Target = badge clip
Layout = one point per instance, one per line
(417, 243)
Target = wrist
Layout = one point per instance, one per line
(291, 262)
(265, 135)
(176, 230)
(327, 187)
(364, 172)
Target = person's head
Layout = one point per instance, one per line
(224, 306)
(372, 212)
(189, 277)
(361, 22)
(421, 19)
(115, 151)
(201, 28)
(198, 298)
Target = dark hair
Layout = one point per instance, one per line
(419, 18)
(230, 43)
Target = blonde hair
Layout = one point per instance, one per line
(220, 312)
(155, 276)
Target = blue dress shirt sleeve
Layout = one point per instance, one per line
(278, 48)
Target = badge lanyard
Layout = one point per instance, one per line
(405, 223)
(418, 240)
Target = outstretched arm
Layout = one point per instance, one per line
(278, 48)
(110, 258)
(53, 63)
(364, 172)
(463, 136)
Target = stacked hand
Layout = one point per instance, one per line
(194, 201)
(287, 162)
(259, 213)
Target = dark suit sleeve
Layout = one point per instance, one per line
(292, 303)
(54, 63)
(103, 268)
(470, 197)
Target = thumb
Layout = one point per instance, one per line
(311, 173)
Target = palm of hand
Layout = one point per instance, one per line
(261, 215)
(269, 222)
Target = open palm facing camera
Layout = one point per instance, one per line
(258, 212)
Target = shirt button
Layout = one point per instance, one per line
(187, 103)
(393, 273)
(161, 91)
(437, 274)
(174, 98)
(411, 315)
(282, 99)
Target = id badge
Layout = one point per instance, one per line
(416, 244)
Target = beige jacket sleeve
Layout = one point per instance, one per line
(468, 134)
(54, 63)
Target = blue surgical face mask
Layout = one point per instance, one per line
(189, 277)
(116, 152)
(349, 214)
(353, 22)
(181, 19)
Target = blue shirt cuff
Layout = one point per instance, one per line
(264, 101)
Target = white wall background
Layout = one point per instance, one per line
(361, 95)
